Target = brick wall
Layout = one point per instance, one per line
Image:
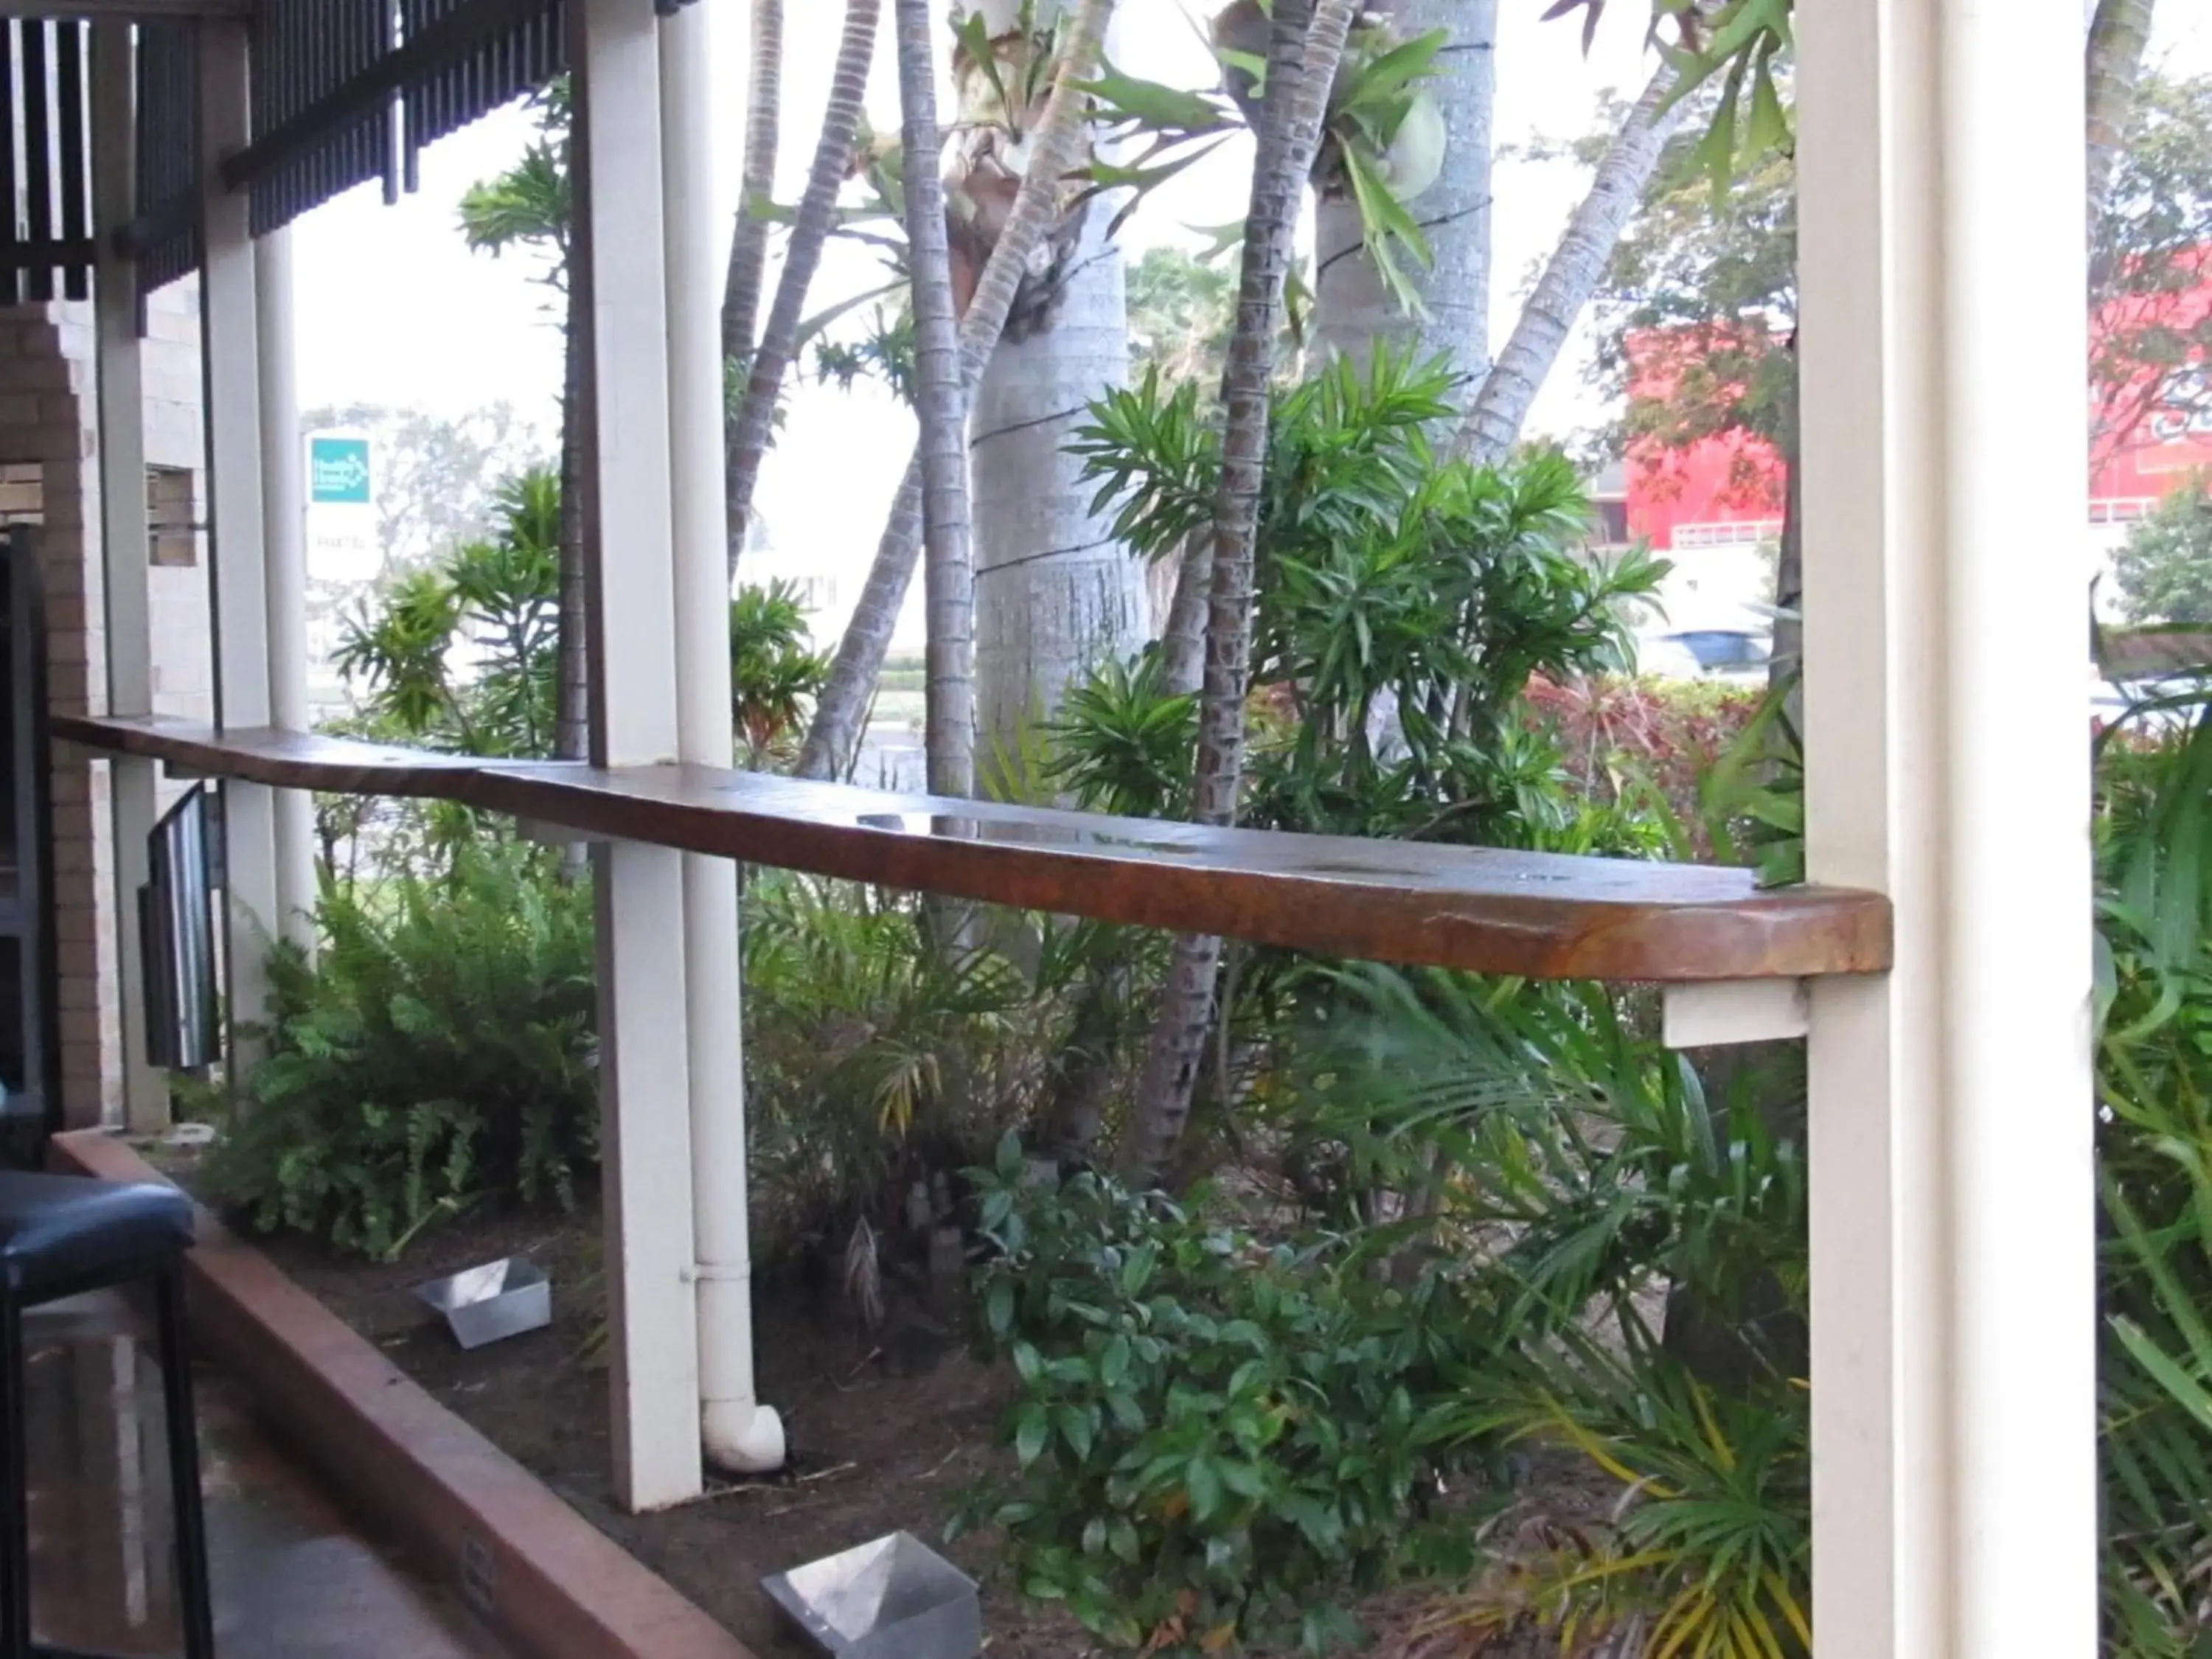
(49, 472)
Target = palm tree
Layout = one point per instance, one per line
(941, 402)
(1057, 142)
(1356, 304)
(748, 270)
(1303, 51)
(2118, 34)
(1058, 589)
(816, 218)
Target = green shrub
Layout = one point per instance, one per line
(1217, 1441)
(873, 1056)
(1708, 1551)
(435, 1055)
(1576, 1173)
(774, 675)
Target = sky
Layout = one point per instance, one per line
(393, 308)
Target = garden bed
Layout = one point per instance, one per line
(886, 1428)
(884, 1432)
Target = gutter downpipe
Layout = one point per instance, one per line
(737, 1433)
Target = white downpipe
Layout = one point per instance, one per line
(737, 1432)
(284, 521)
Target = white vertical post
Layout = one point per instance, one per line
(124, 549)
(1943, 351)
(284, 525)
(2019, 920)
(644, 1074)
(229, 333)
(737, 1432)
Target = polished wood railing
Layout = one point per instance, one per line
(1484, 909)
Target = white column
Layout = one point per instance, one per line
(284, 522)
(644, 1073)
(1942, 350)
(238, 571)
(125, 550)
(738, 1433)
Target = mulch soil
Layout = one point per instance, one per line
(886, 1428)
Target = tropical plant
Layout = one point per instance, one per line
(1403, 607)
(1060, 592)
(1708, 1551)
(1218, 1440)
(1122, 742)
(2154, 1150)
(496, 601)
(436, 1056)
(1577, 1172)
(1050, 153)
(460, 656)
(949, 570)
(773, 668)
(1656, 749)
(1408, 171)
(874, 1057)
(532, 205)
(1387, 580)
(1384, 140)
(743, 284)
(1303, 53)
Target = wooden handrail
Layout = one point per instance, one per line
(1485, 909)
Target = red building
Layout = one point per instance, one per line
(2148, 438)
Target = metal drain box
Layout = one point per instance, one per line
(891, 1598)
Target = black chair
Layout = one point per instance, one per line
(61, 1236)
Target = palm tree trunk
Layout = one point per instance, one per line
(949, 572)
(748, 270)
(1075, 1111)
(1577, 266)
(1303, 53)
(1352, 308)
(1182, 642)
(816, 218)
(842, 710)
(2118, 35)
(1057, 590)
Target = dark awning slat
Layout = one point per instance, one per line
(45, 249)
(343, 91)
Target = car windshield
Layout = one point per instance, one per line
(1716, 647)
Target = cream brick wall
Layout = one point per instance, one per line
(48, 416)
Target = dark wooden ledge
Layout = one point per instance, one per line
(282, 760)
(1486, 909)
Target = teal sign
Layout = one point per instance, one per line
(337, 470)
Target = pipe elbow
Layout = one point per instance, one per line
(742, 1436)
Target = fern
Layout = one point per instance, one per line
(435, 1057)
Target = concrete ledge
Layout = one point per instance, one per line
(545, 1580)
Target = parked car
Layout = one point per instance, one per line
(1695, 652)
(1719, 649)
